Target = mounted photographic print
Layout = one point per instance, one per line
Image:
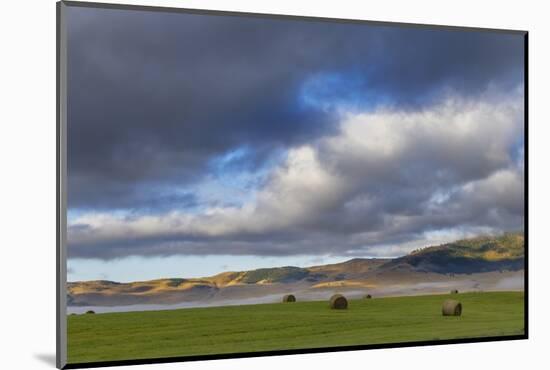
(235, 185)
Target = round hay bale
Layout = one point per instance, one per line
(451, 308)
(368, 296)
(454, 291)
(90, 312)
(289, 298)
(338, 302)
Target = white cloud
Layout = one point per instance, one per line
(387, 178)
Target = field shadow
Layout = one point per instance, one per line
(46, 358)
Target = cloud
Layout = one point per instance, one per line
(383, 181)
(154, 96)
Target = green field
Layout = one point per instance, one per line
(264, 327)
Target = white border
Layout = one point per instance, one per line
(27, 160)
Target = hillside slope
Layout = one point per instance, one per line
(423, 266)
(482, 254)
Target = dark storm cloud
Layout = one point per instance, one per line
(153, 97)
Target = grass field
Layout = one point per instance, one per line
(264, 327)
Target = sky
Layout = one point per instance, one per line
(203, 143)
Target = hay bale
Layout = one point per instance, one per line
(338, 302)
(451, 308)
(368, 296)
(289, 298)
(454, 291)
(90, 312)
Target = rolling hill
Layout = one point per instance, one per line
(482, 254)
(478, 261)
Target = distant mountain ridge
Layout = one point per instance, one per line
(469, 256)
(481, 254)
